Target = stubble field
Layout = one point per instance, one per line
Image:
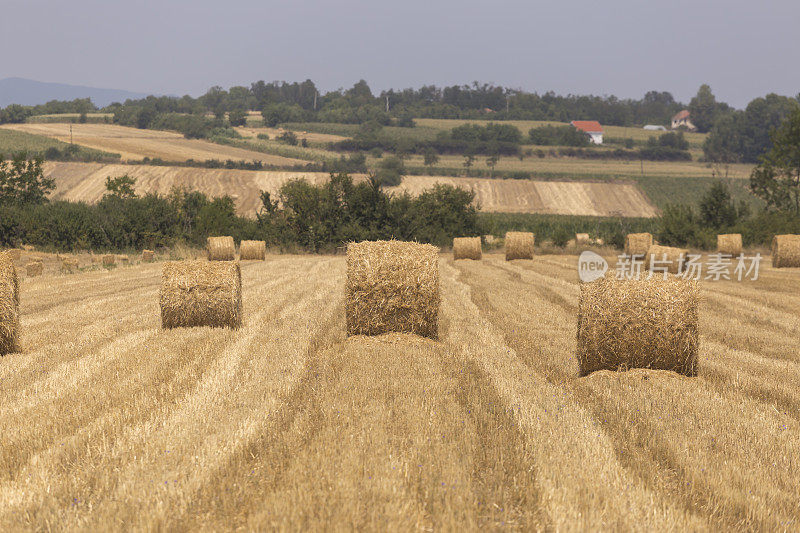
(108, 422)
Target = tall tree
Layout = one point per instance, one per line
(704, 109)
(777, 179)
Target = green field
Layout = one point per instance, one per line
(35, 145)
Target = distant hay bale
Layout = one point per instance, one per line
(34, 268)
(122, 258)
(638, 323)
(221, 249)
(519, 245)
(201, 293)
(14, 253)
(69, 265)
(666, 258)
(9, 305)
(467, 248)
(255, 250)
(730, 244)
(638, 243)
(148, 256)
(28, 247)
(582, 239)
(786, 251)
(109, 259)
(392, 286)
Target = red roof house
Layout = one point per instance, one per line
(592, 128)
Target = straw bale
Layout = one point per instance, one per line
(519, 245)
(109, 259)
(34, 268)
(638, 243)
(122, 258)
(28, 247)
(221, 249)
(256, 250)
(201, 293)
(467, 248)
(69, 265)
(582, 238)
(148, 256)
(638, 323)
(665, 256)
(786, 251)
(730, 244)
(392, 286)
(9, 305)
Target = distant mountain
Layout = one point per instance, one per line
(30, 92)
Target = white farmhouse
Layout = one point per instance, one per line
(591, 128)
(681, 119)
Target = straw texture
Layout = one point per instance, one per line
(786, 251)
(519, 245)
(582, 238)
(221, 249)
(148, 256)
(638, 243)
(467, 248)
(34, 268)
(9, 305)
(69, 265)
(201, 293)
(660, 257)
(253, 250)
(638, 323)
(392, 286)
(730, 244)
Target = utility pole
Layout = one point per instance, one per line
(507, 98)
(315, 99)
(387, 103)
(70, 134)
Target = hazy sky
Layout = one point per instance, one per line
(743, 49)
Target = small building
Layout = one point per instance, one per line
(654, 127)
(592, 128)
(681, 120)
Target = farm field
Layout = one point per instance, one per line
(136, 144)
(86, 182)
(110, 422)
(12, 141)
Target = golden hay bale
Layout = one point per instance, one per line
(34, 268)
(109, 259)
(582, 238)
(467, 248)
(256, 250)
(519, 245)
(9, 305)
(69, 265)
(28, 247)
(148, 256)
(638, 323)
(201, 293)
(221, 249)
(786, 251)
(638, 243)
(392, 286)
(730, 244)
(14, 253)
(665, 257)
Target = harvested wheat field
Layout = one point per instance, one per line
(133, 143)
(109, 421)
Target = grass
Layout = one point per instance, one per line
(279, 148)
(93, 118)
(12, 141)
(418, 133)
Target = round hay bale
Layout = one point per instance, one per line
(34, 268)
(467, 248)
(221, 249)
(69, 265)
(201, 293)
(148, 256)
(9, 305)
(730, 244)
(786, 251)
(582, 239)
(673, 259)
(109, 260)
(519, 245)
(638, 323)
(255, 250)
(638, 243)
(392, 286)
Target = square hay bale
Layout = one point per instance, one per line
(786, 251)
(148, 256)
(69, 265)
(109, 260)
(582, 239)
(221, 249)
(392, 286)
(201, 293)
(467, 248)
(519, 245)
(34, 268)
(673, 259)
(255, 250)
(9, 305)
(14, 253)
(638, 323)
(730, 244)
(122, 258)
(638, 243)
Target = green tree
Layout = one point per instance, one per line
(121, 186)
(469, 159)
(14, 114)
(717, 209)
(22, 181)
(237, 117)
(430, 157)
(704, 109)
(492, 161)
(677, 225)
(777, 179)
(390, 171)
